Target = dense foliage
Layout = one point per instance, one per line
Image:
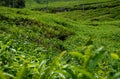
(44, 1)
(66, 44)
(13, 3)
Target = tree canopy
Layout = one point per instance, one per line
(13, 3)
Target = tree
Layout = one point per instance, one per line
(13, 3)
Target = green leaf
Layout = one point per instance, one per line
(72, 74)
(76, 54)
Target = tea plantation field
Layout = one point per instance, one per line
(61, 40)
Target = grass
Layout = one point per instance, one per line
(62, 45)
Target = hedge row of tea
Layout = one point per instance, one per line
(31, 62)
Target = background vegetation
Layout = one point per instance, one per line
(13, 3)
